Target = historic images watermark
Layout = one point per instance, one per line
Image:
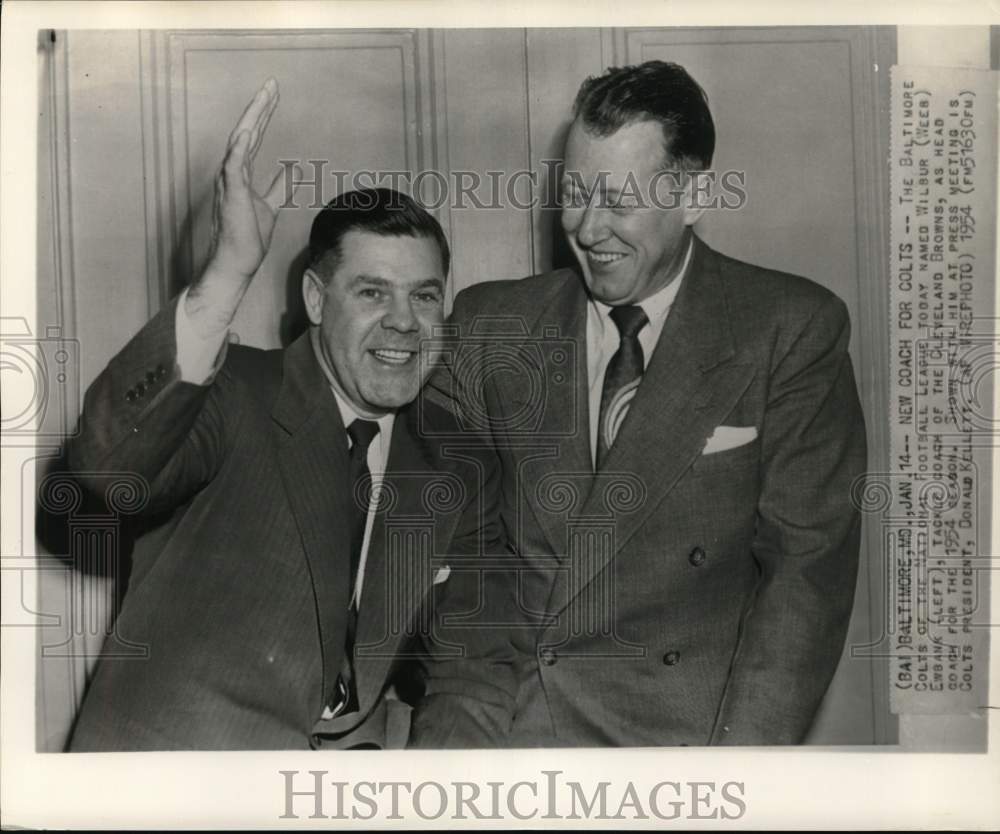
(313, 794)
(312, 183)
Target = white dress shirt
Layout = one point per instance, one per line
(378, 459)
(199, 359)
(603, 339)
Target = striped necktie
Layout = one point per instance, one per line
(622, 378)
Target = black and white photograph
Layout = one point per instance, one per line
(452, 418)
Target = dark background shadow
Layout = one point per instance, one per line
(562, 255)
(294, 321)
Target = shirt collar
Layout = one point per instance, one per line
(658, 304)
(348, 413)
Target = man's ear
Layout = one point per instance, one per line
(313, 290)
(697, 195)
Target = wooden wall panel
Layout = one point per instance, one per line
(485, 99)
(108, 222)
(59, 682)
(92, 293)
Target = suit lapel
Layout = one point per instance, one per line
(313, 458)
(691, 383)
(407, 533)
(552, 457)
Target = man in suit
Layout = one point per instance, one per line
(678, 434)
(277, 599)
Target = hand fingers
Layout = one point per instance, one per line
(257, 135)
(258, 104)
(234, 165)
(220, 195)
(249, 115)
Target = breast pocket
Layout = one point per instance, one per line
(723, 487)
(722, 490)
(736, 459)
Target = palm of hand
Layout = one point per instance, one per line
(243, 219)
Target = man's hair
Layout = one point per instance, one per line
(653, 91)
(379, 211)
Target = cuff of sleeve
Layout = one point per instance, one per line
(198, 358)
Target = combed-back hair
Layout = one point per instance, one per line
(653, 91)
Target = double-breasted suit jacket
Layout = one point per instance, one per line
(697, 590)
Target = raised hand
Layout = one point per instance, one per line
(242, 220)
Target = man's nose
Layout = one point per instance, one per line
(401, 317)
(592, 228)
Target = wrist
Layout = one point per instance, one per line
(211, 302)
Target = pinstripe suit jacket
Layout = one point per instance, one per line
(241, 597)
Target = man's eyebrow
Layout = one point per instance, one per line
(364, 278)
(601, 185)
(379, 281)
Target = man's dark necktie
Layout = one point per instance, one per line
(361, 432)
(622, 377)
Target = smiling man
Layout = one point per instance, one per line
(265, 562)
(677, 446)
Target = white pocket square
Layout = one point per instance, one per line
(729, 437)
(442, 575)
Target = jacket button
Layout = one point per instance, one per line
(130, 395)
(696, 556)
(671, 658)
(548, 657)
(150, 377)
(140, 388)
(160, 371)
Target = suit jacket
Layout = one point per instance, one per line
(240, 599)
(682, 595)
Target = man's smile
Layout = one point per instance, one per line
(605, 259)
(393, 357)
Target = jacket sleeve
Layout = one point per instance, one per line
(140, 418)
(806, 542)
(468, 660)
